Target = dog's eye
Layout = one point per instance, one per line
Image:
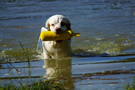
(63, 24)
(52, 24)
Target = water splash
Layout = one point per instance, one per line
(99, 49)
(39, 45)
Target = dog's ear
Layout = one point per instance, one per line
(48, 25)
(69, 26)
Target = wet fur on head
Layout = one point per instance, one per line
(64, 19)
(58, 48)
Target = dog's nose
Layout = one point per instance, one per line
(58, 30)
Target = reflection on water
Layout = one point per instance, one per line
(21, 73)
(59, 69)
(56, 68)
(78, 73)
(28, 73)
(106, 27)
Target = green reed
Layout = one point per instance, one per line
(23, 54)
(127, 86)
(40, 85)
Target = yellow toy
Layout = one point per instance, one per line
(51, 36)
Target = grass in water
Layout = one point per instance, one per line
(25, 54)
(41, 85)
(130, 87)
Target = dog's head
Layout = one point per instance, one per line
(57, 24)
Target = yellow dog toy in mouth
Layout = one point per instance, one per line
(51, 36)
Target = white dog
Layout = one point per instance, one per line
(59, 48)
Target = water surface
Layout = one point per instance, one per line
(106, 29)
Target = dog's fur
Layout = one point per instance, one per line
(57, 49)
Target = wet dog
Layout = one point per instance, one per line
(59, 48)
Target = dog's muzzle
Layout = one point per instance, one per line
(58, 30)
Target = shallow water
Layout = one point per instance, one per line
(105, 26)
(78, 74)
(106, 29)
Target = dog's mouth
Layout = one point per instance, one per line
(59, 32)
(59, 41)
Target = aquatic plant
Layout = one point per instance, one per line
(127, 86)
(40, 85)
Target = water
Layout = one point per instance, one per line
(76, 73)
(106, 28)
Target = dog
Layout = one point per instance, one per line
(59, 48)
